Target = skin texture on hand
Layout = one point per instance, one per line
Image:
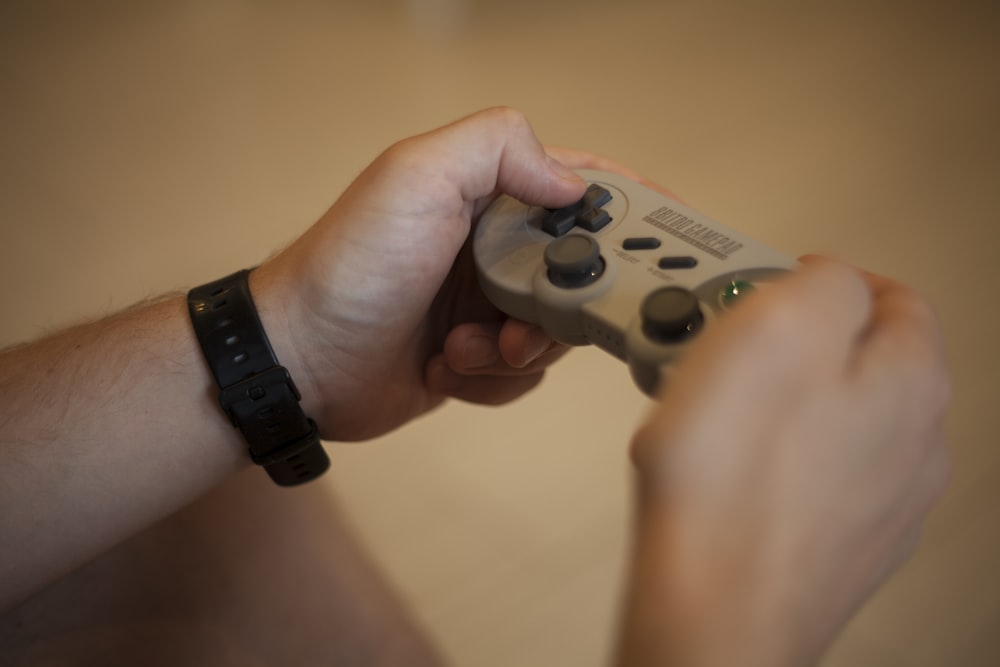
(379, 299)
(786, 471)
(112, 425)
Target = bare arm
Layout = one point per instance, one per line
(104, 428)
(109, 426)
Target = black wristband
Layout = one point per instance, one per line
(255, 390)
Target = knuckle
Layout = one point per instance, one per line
(507, 116)
(402, 155)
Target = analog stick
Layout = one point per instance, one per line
(671, 314)
(573, 261)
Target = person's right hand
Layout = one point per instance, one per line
(786, 471)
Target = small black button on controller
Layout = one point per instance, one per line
(678, 262)
(641, 243)
(574, 260)
(671, 314)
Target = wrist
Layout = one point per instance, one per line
(697, 608)
(356, 353)
(274, 295)
(257, 392)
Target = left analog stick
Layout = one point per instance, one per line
(574, 260)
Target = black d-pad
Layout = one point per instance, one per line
(586, 213)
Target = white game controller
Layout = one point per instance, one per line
(625, 268)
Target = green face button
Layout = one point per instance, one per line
(734, 291)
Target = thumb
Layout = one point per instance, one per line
(497, 151)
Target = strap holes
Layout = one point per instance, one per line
(224, 322)
(264, 413)
(241, 357)
(294, 458)
(221, 303)
(232, 340)
(219, 292)
(273, 428)
(304, 473)
(299, 466)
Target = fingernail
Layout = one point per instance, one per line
(479, 352)
(538, 343)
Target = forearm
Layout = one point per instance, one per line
(104, 429)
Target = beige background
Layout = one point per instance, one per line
(147, 147)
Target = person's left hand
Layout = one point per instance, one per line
(377, 306)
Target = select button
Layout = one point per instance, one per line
(641, 243)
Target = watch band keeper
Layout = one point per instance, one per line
(289, 450)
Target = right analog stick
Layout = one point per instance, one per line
(671, 314)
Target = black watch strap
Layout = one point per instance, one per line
(255, 390)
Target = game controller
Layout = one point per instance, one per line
(625, 268)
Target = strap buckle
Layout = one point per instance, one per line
(255, 388)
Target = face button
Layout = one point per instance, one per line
(671, 314)
(573, 261)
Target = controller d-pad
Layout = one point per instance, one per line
(585, 213)
(561, 220)
(593, 220)
(596, 196)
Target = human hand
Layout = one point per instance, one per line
(786, 471)
(377, 307)
(375, 312)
